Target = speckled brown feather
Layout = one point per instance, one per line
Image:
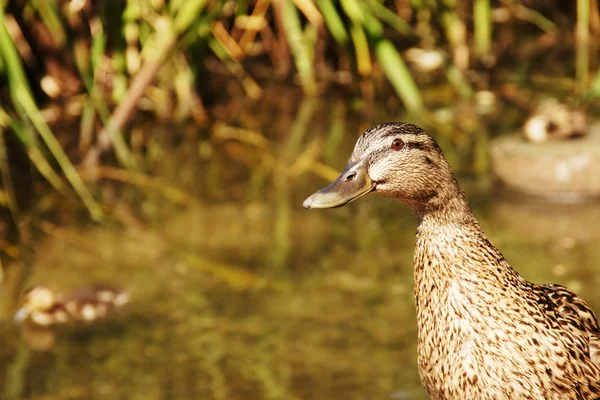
(576, 312)
(484, 332)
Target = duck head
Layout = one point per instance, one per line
(36, 299)
(395, 160)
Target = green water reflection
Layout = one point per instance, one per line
(244, 294)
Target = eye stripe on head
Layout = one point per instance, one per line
(417, 145)
(378, 140)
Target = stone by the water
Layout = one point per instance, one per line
(563, 170)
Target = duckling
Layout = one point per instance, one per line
(484, 332)
(554, 120)
(42, 307)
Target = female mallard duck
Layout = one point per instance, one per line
(484, 332)
(41, 307)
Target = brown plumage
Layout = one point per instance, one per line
(484, 332)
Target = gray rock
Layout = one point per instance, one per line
(564, 170)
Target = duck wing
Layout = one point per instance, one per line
(573, 312)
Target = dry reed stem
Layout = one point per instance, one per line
(231, 46)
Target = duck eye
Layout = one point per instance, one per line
(397, 144)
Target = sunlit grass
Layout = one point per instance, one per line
(152, 56)
(27, 108)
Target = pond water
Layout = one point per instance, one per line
(240, 293)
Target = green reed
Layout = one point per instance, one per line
(152, 55)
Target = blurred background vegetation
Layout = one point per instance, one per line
(168, 145)
(96, 65)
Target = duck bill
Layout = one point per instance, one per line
(343, 190)
(21, 315)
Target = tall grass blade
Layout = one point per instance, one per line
(37, 158)
(187, 14)
(595, 88)
(582, 43)
(310, 11)
(536, 18)
(161, 45)
(389, 17)
(353, 11)
(7, 182)
(399, 75)
(51, 17)
(252, 89)
(483, 27)
(303, 56)
(29, 106)
(361, 46)
(456, 34)
(333, 21)
(88, 70)
(371, 24)
(22, 97)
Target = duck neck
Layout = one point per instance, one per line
(447, 208)
(452, 247)
(450, 242)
